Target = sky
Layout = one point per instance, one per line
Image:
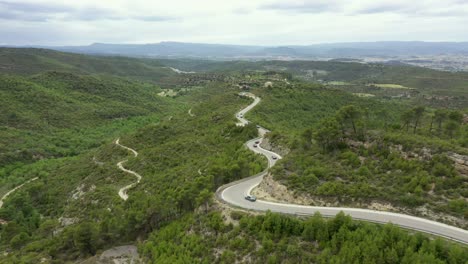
(248, 22)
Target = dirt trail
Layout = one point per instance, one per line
(190, 112)
(14, 190)
(123, 191)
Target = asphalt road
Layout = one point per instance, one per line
(234, 194)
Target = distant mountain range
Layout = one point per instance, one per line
(331, 50)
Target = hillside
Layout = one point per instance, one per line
(361, 152)
(36, 109)
(30, 61)
(419, 85)
(352, 49)
(170, 154)
(60, 123)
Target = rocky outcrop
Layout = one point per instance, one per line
(420, 154)
(272, 190)
(120, 255)
(268, 145)
(460, 162)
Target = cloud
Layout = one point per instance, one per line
(6, 15)
(26, 7)
(384, 8)
(451, 8)
(92, 14)
(42, 12)
(264, 22)
(317, 6)
(242, 11)
(155, 18)
(30, 11)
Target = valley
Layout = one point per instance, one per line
(106, 161)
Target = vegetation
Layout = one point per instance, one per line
(60, 114)
(429, 87)
(275, 238)
(358, 150)
(182, 161)
(27, 62)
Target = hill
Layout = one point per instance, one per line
(419, 85)
(28, 61)
(333, 50)
(62, 114)
(35, 110)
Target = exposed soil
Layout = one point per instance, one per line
(271, 190)
(281, 150)
(117, 255)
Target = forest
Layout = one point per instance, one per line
(61, 113)
(275, 238)
(355, 150)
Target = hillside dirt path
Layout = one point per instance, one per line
(14, 190)
(190, 112)
(123, 191)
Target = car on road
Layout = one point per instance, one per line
(257, 142)
(255, 145)
(274, 157)
(251, 198)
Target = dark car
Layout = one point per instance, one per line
(251, 198)
(257, 142)
(274, 157)
(255, 145)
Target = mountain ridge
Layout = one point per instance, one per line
(349, 49)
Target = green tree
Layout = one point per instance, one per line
(307, 138)
(204, 199)
(328, 133)
(349, 114)
(406, 118)
(451, 127)
(456, 116)
(19, 240)
(439, 116)
(418, 114)
(86, 238)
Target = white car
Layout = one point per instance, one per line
(251, 198)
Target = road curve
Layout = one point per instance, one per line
(14, 190)
(234, 193)
(190, 112)
(123, 191)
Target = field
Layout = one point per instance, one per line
(389, 86)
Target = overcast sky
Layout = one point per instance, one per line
(260, 22)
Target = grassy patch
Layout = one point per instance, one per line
(390, 86)
(338, 83)
(364, 95)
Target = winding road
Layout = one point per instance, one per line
(14, 190)
(190, 112)
(234, 193)
(123, 191)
